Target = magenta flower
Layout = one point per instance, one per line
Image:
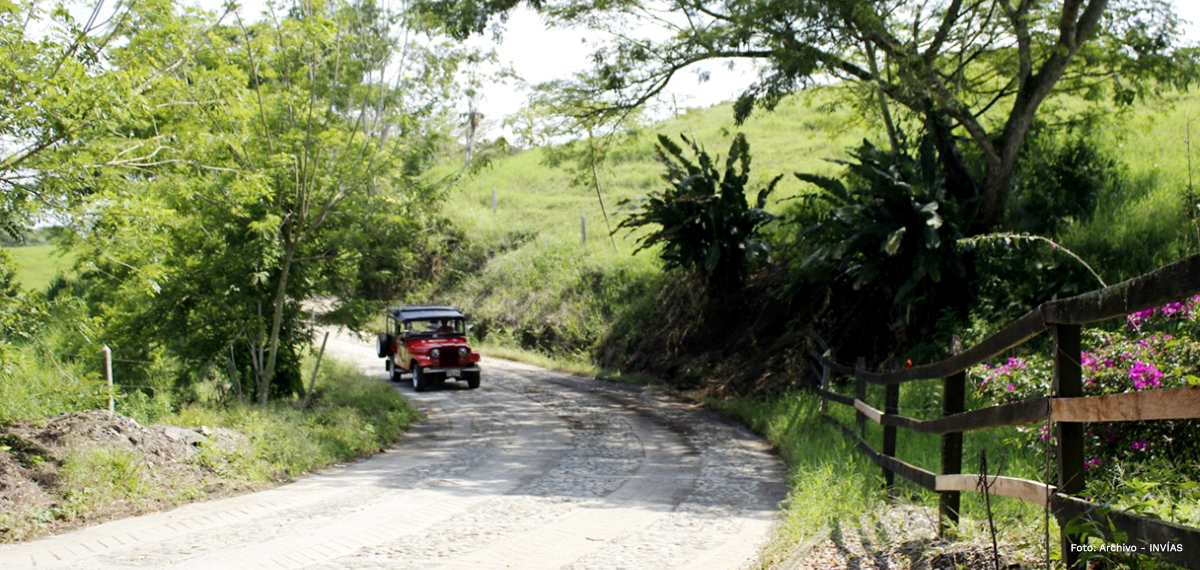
(1135, 320)
(1011, 387)
(1144, 375)
(1091, 463)
(1087, 359)
(1140, 445)
(1174, 308)
(1017, 363)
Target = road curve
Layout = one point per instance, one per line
(534, 470)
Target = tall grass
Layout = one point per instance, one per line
(832, 483)
(36, 385)
(350, 416)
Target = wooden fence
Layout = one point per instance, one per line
(1068, 408)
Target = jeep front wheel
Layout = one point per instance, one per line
(472, 379)
(418, 378)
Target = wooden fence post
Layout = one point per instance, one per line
(108, 377)
(1068, 383)
(860, 393)
(954, 395)
(824, 386)
(891, 405)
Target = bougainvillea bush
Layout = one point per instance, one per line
(1129, 463)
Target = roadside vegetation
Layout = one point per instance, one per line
(61, 469)
(210, 173)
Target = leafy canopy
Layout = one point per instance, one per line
(962, 70)
(261, 170)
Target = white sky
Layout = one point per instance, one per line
(538, 54)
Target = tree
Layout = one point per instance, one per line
(246, 184)
(60, 91)
(974, 71)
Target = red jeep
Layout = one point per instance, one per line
(430, 345)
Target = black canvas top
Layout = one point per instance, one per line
(422, 313)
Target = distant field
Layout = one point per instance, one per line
(38, 264)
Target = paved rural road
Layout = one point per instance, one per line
(534, 470)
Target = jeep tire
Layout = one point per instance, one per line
(419, 380)
(396, 371)
(383, 345)
(472, 379)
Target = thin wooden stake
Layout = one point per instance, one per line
(312, 381)
(108, 377)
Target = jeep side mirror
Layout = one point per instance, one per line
(470, 328)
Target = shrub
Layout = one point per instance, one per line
(1156, 348)
(703, 221)
(891, 223)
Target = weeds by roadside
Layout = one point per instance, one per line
(82, 468)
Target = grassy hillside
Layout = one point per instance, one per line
(533, 197)
(37, 265)
(540, 287)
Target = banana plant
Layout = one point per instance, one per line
(702, 219)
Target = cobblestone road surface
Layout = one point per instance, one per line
(533, 470)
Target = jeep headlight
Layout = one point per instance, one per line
(462, 352)
(434, 353)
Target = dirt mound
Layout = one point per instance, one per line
(160, 466)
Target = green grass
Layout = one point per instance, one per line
(38, 265)
(833, 484)
(350, 416)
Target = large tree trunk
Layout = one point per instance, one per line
(958, 178)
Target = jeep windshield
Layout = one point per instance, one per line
(435, 328)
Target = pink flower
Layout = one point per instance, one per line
(1140, 445)
(1144, 375)
(1135, 320)
(1011, 387)
(1173, 308)
(1087, 359)
(1091, 463)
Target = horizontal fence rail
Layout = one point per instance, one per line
(1067, 408)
